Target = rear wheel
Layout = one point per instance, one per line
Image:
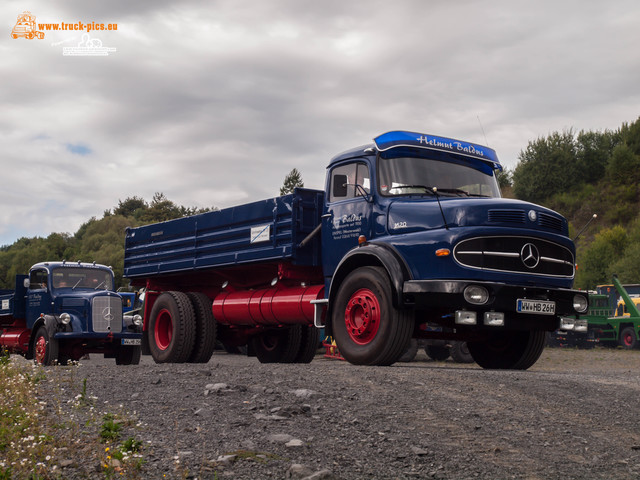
(45, 347)
(205, 341)
(128, 355)
(278, 345)
(411, 352)
(439, 353)
(628, 338)
(172, 328)
(509, 350)
(460, 352)
(367, 328)
(310, 338)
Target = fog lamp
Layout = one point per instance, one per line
(581, 326)
(494, 319)
(464, 317)
(567, 323)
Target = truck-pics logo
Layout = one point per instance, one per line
(26, 27)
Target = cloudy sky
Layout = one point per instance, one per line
(214, 102)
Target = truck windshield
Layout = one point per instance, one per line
(410, 175)
(83, 278)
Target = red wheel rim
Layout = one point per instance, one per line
(362, 316)
(41, 349)
(628, 339)
(164, 329)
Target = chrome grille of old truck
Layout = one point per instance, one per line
(107, 314)
(516, 254)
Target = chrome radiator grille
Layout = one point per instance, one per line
(107, 314)
(516, 254)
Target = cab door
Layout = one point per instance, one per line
(347, 212)
(38, 295)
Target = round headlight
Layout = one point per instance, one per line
(476, 294)
(580, 303)
(137, 320)
(65, 318)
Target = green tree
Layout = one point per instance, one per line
(608, 247)
(547, 166)
(130, 207)
(624, 166)
(291, 181)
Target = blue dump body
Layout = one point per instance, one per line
(260, 231)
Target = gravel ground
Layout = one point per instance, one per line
(574, 414)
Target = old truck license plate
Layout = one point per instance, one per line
(541, 307)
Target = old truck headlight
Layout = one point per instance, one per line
(476, 294)
(137, 320)
(65, 318)
(580, 303)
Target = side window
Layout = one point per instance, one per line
(38, 279)
(345, 178)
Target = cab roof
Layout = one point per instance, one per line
(402, 139)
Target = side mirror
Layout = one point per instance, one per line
(339, 186)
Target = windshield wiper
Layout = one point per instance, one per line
(454, 190)
(427, 189)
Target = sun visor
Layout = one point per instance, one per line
(395, 139)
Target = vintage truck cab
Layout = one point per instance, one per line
(64, 310)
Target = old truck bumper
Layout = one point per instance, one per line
(124, 338)
(490, 304)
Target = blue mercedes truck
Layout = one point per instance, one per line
(409, 239)
(62, 311)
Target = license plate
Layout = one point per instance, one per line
(540, 307)
(131, 341)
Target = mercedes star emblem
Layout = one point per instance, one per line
(530, 255)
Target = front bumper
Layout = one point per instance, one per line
(442, 298)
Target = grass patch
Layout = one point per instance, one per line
(43, 436)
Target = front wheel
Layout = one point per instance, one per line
(367, 328)
(628, 339)
(509, 350)
(128, 355)
(45, 347)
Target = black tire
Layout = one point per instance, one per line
(308, 344)
(411, 351)
(278, 345)
(628, 339)
(367, 328)
(205, 341)
(509, 350)
(128, 355)
(172, 328)
(439, 353)
(460, 352)
(45, 348)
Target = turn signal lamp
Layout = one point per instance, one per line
(443, 252)
(362, 240)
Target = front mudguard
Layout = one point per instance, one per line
(370, 254)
